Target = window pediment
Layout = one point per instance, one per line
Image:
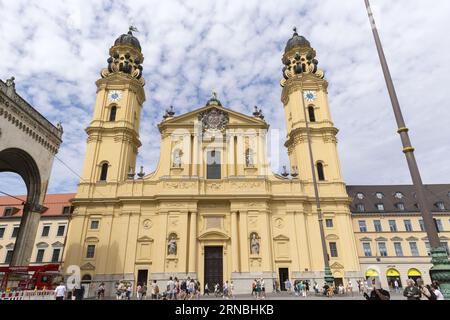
(42, 245)
(213, 234)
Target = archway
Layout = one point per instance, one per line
(392, 275)
(20, 162)
(414, 274)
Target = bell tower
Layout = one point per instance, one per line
(113, 134)
(305, 98)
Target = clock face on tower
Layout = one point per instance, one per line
(114, 95)
(310, 96)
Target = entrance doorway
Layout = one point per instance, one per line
(142, 277)
(213, 266)
(284, 275)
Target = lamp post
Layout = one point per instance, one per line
(440, 271)
(328, 277)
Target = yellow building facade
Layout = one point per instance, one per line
(212, 210)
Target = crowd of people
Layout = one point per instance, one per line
(189, 289)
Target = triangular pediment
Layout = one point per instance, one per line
(10, 246)
(396, 239)
(235, 119)
(87, 266)
(412, 239)
(381, 239)
(365, 239)
(281, 237)
(337, 265)
(57, 244)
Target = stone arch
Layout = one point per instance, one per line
(20, 162)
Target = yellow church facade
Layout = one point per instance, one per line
(212, 209)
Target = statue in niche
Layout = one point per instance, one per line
(176, 162)
(172, 245)
(249, 158)
(254, 244)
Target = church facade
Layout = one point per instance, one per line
(212, 209)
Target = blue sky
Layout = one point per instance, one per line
(56, 50)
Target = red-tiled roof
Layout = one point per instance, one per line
(54, 202)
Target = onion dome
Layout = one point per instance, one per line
(296, 41)
(128, 39)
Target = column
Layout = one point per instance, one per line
(244, 244)
(192, 254)
(234, 243)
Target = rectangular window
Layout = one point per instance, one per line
(15, 232)
(90, 251)
(367, 249)
(380, 207)
(2, 232)
(414, 249)
(392, 225)
(360, 207)
(40, 255)
(213, 167)
(333, 249)
(45, 231)
(382, 248)
(8, 257)
(362, 226)
(94, 224)
(8, 212)
(61, 230)
(55, 255)
(377, 225)
(439, 226)
(67, 210)
(422, 225)
(408, 225)
(398, 249)
(329, 223)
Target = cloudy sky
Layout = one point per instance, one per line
(56, 50)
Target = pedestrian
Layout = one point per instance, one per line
(139, 291)
(350, 287)
(231, 290)
(206, 292)
(101, 291)
(254, 287)
(119, 290)
(288, 286)
(377, 293)
(155, 290)
(60, 291)
(225, 290)
(129, 292)
(437, 292)
(216, 290)
(412, 292)
(263, 289)
(396, 287)
(171, 288)
(144, 291)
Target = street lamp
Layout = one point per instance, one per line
(328, 277)
(440, 271)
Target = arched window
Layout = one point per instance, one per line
(320, 172)
(213, 165)
(112, 113)
(312, 116)
(104, 172)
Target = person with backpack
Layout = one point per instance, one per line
(155, 290)
(437, 292)
(377, 293)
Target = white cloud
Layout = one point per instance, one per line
(56, 50)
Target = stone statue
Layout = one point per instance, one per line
(172, 246)
(10, 82)
(254, 244)
(249, 161)
(59, 127)
(177, 154)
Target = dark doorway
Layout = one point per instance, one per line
(142, 277)
(338, 282)
(284, 275)
(213, 266)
